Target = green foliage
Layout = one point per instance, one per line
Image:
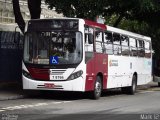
(141, 10)
(88, 9)
(140, 16)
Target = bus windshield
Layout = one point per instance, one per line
(53, 47)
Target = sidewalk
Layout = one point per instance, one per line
(11, 91)
(148, 86)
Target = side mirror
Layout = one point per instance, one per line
(90, 38)
(16, 35)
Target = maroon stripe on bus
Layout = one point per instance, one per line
(98, 65)
(95, 24)
(39, 74)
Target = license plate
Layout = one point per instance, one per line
(49, 85)
(56, 77)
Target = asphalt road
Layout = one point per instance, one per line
(113, 105)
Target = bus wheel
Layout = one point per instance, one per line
(131, 89)
(158, 84)
(96, 94)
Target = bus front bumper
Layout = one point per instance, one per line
(72, 85)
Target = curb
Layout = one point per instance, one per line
(13, 97)
(11, 91)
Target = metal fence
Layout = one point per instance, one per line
(11, 44)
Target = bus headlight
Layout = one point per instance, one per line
(26, 74)
(75, 75)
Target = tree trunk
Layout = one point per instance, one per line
(34, 8)
(118, 21)
(18, 16)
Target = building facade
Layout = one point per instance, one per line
(7, 15)
(11, 41)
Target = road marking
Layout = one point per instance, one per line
(29, 106)
(56, 102)
(66, 101)
(61, 102)
(2, 110)
(22, 106)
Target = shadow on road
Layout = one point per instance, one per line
(55, 95)
(62, 95)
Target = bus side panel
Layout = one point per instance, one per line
(145, 73)
(122, 68)
(119, 71)
(101, 67)
(90, 75)
(98, 64)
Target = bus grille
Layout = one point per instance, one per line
(57, 71)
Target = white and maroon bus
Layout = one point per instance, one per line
(80, 55)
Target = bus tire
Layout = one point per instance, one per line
(131, 89)
(96, 93)
(158, 84)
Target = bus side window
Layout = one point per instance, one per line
(133, 47)
(147, 49)
(125, 45)
(108, 44)
(99, 41)
(141, 51)
(116, 44)
(89, 38)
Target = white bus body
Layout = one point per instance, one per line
(107, 57)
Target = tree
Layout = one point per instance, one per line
(139, 13)
(34, 8)
(18, 16)
(141, 16)
(77, 8)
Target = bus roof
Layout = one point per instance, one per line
(116, 30)
(104, 27)
(127, 33)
